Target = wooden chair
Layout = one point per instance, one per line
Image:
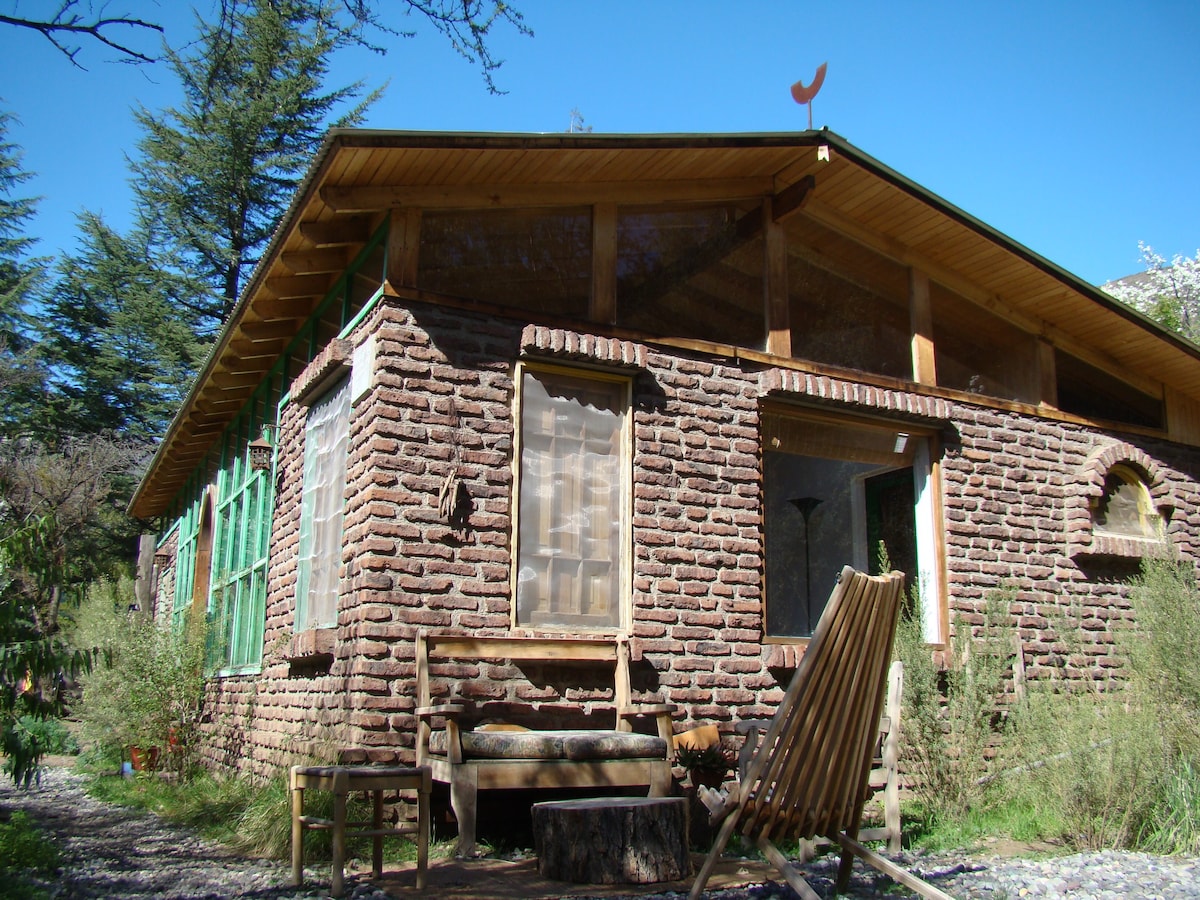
(809, 777)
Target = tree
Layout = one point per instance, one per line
(120, 347)
(215, 172)
(73, 21)
(1168, 292)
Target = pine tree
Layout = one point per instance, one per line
(118, 337)
(215, 173)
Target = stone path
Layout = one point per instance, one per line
(111, 852)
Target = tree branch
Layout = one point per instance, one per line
(69, 21)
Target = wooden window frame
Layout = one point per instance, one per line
(927, 512)
(624, 462)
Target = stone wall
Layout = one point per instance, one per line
(441, 400)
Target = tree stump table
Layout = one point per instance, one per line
(612, 840)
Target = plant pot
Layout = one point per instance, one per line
(144, 759)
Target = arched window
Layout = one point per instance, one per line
(1125, 507)
(1122, 506)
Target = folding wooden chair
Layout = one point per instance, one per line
(809, 776)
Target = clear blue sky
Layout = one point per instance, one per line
(1070, 126)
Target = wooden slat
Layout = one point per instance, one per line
(358, 199)
(307, 262)
(338, 233)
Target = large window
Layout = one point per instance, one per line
(844, 492)
(573, 490)
(326, 436)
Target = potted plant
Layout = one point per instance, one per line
(707, 765)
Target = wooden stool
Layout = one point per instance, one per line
(610, 840)
(341, 780)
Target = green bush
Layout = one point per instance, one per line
(25, 854)
(1115, 764)
(951, 724)
(148, 687)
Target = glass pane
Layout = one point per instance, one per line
(572, 496)
(979, 352)
(1125, 507)
(533, 259)
(1090, 392)
(326, 438)
(809, 523)
(692, 273)
(853, 324)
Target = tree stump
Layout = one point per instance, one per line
(612, 840)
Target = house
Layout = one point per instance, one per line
(657, 386)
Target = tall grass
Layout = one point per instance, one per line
(951, 723)
(1114, 763)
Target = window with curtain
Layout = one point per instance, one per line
(574, 492)
(326, 438)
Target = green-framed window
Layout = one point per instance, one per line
(245, 500)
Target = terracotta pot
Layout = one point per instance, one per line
(144, 759)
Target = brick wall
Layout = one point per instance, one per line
(442, 396)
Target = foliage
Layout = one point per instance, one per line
(120, 348)
(951, 718)
(216, 172)
(712, 758)
(24, 849)
(1116, 764)
(149, 690)
(34, 663)
(251, 816)
(1168, 292)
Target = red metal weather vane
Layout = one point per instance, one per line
(804, 95)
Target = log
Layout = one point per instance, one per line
(612, 840)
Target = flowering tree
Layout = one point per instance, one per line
(1168, 292)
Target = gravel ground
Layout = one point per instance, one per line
(110, 852)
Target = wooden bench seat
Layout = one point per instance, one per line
(610, 755)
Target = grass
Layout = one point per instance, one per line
(252, 817)
(25, 853)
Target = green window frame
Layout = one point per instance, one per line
(185, 559)
(245, 502)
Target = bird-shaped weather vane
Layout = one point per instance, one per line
(804, 95)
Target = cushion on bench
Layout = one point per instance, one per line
(573, 745)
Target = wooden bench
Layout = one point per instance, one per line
(341, 781)
(473, 760)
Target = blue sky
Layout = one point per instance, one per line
(1070, 126)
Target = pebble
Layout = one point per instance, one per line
(109, 851)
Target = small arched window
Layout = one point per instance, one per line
(1125, 507)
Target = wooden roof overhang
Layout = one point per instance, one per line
(359, 176)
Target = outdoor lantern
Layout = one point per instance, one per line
(260, 452)
(162, 559)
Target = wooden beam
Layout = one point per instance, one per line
(906, 256)
(235, 381)
(791, 199)
(266, 331)
(775, 283)
(288, 286)
(369, 198)
(603, 306)
(321, 259)
(337, 234)
(924, 357)
(274, 310)
(403, 248)
(1047, 376)
(246, 349)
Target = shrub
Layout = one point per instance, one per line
(951, 720)
(148, 686)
